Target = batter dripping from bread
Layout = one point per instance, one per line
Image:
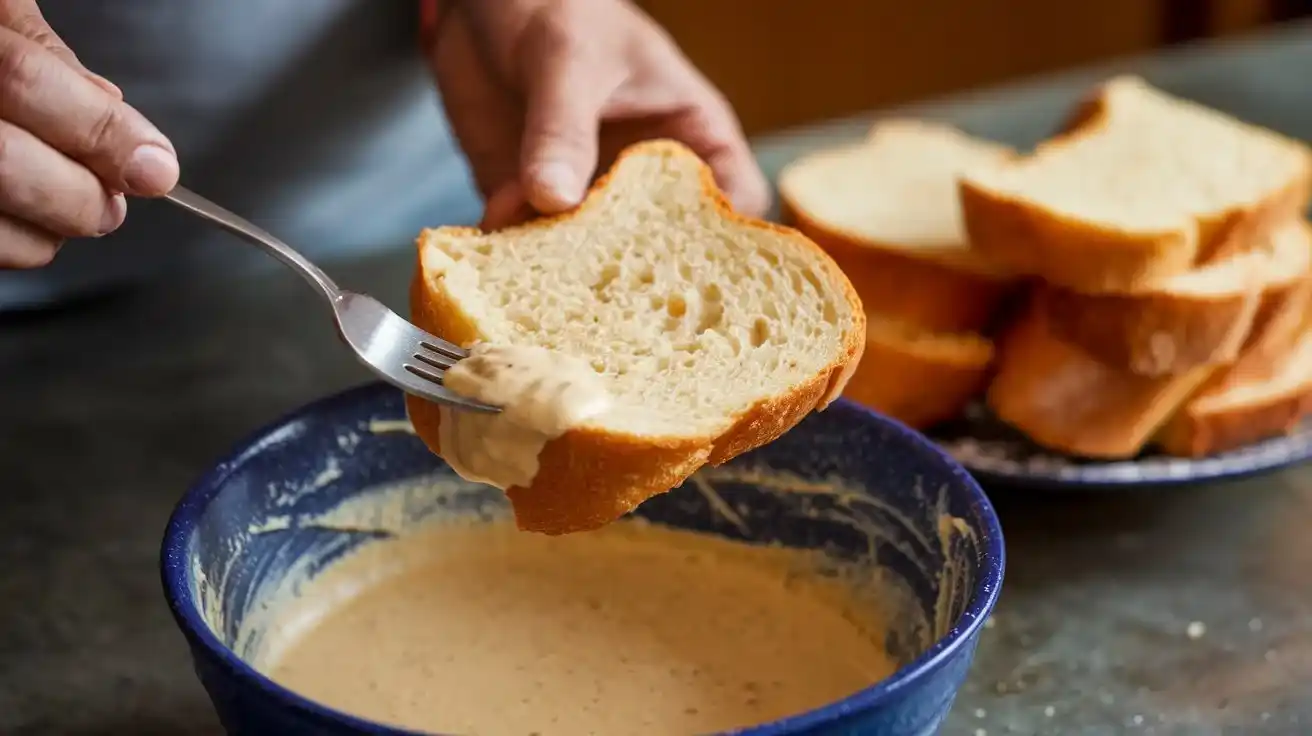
(542, 394)
(632, 629)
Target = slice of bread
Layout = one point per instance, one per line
(1238, 412)
(1064, 399)
(1144, 186)
(1259, 396)
(1281, 319)
(716, 333)
(918, 377)
(1175, 323)
(887, 210)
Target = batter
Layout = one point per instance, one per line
(542, 394)
(634, 629)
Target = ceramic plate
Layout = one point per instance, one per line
(995, 453)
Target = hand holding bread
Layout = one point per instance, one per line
(714, 333)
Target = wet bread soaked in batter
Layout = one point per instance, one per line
(541, 393)
(631, 630)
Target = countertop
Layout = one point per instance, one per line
(1180, 612)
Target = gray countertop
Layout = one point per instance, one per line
(1181, 612)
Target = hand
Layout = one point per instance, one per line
(540, 92)
(70, 148)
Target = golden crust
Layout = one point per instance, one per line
(1198, 429)
(1065, 400)
(589, 477)
(1164, 332)
(916, 385)
(946, 294)
(1065, 251)
(1193, 434)
(1081, 256)
(1155, 334)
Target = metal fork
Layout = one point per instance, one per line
(395, 350)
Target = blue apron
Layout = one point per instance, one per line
(315, 118)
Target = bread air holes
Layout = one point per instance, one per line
(760, 332)
(676, 306)
(712, 313)
(602, 288)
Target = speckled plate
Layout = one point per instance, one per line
(995, 453)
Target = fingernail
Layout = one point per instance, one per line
(558, 182)
(115, 214)
(151, 171)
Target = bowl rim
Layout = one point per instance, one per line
(175, 571)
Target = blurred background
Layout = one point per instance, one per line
(787, 62)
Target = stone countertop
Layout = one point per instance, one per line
(1169, 612)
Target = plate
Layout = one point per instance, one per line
(997, 454)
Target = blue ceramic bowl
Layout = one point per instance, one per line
(333, 450)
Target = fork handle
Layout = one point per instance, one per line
(248, 231)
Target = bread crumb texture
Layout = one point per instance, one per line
(714, 332)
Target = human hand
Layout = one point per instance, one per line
(70, 148)
(541, 92)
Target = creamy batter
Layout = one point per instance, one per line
(634, 629)
(542, 393)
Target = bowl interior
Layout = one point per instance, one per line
(859, 487)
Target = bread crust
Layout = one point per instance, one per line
(590, 477)
(1084, 256)
(1064, 399)
(919, 387)
(1166, 331)
(1282, 317)
(943, 292)
(1066, 251)
(1155, 334)
(1199, 434)
(1198, 429)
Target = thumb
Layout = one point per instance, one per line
(565, 97)
(24, 17)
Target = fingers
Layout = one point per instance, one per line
(24, 16)
(23, 245)
(740, 177)
(483, 116)
(711, 130)
(568, 82)
(42, 94)
(53, 192)
(507, 207)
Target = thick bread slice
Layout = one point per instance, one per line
(1219, 417)
(887, 210)
(1284, 314)
(1176, 323)
(917, 377)
(1064, 399)
(1145, 186)
(1238, 413)
(716, 332)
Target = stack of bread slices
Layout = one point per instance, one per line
(1143, 278)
